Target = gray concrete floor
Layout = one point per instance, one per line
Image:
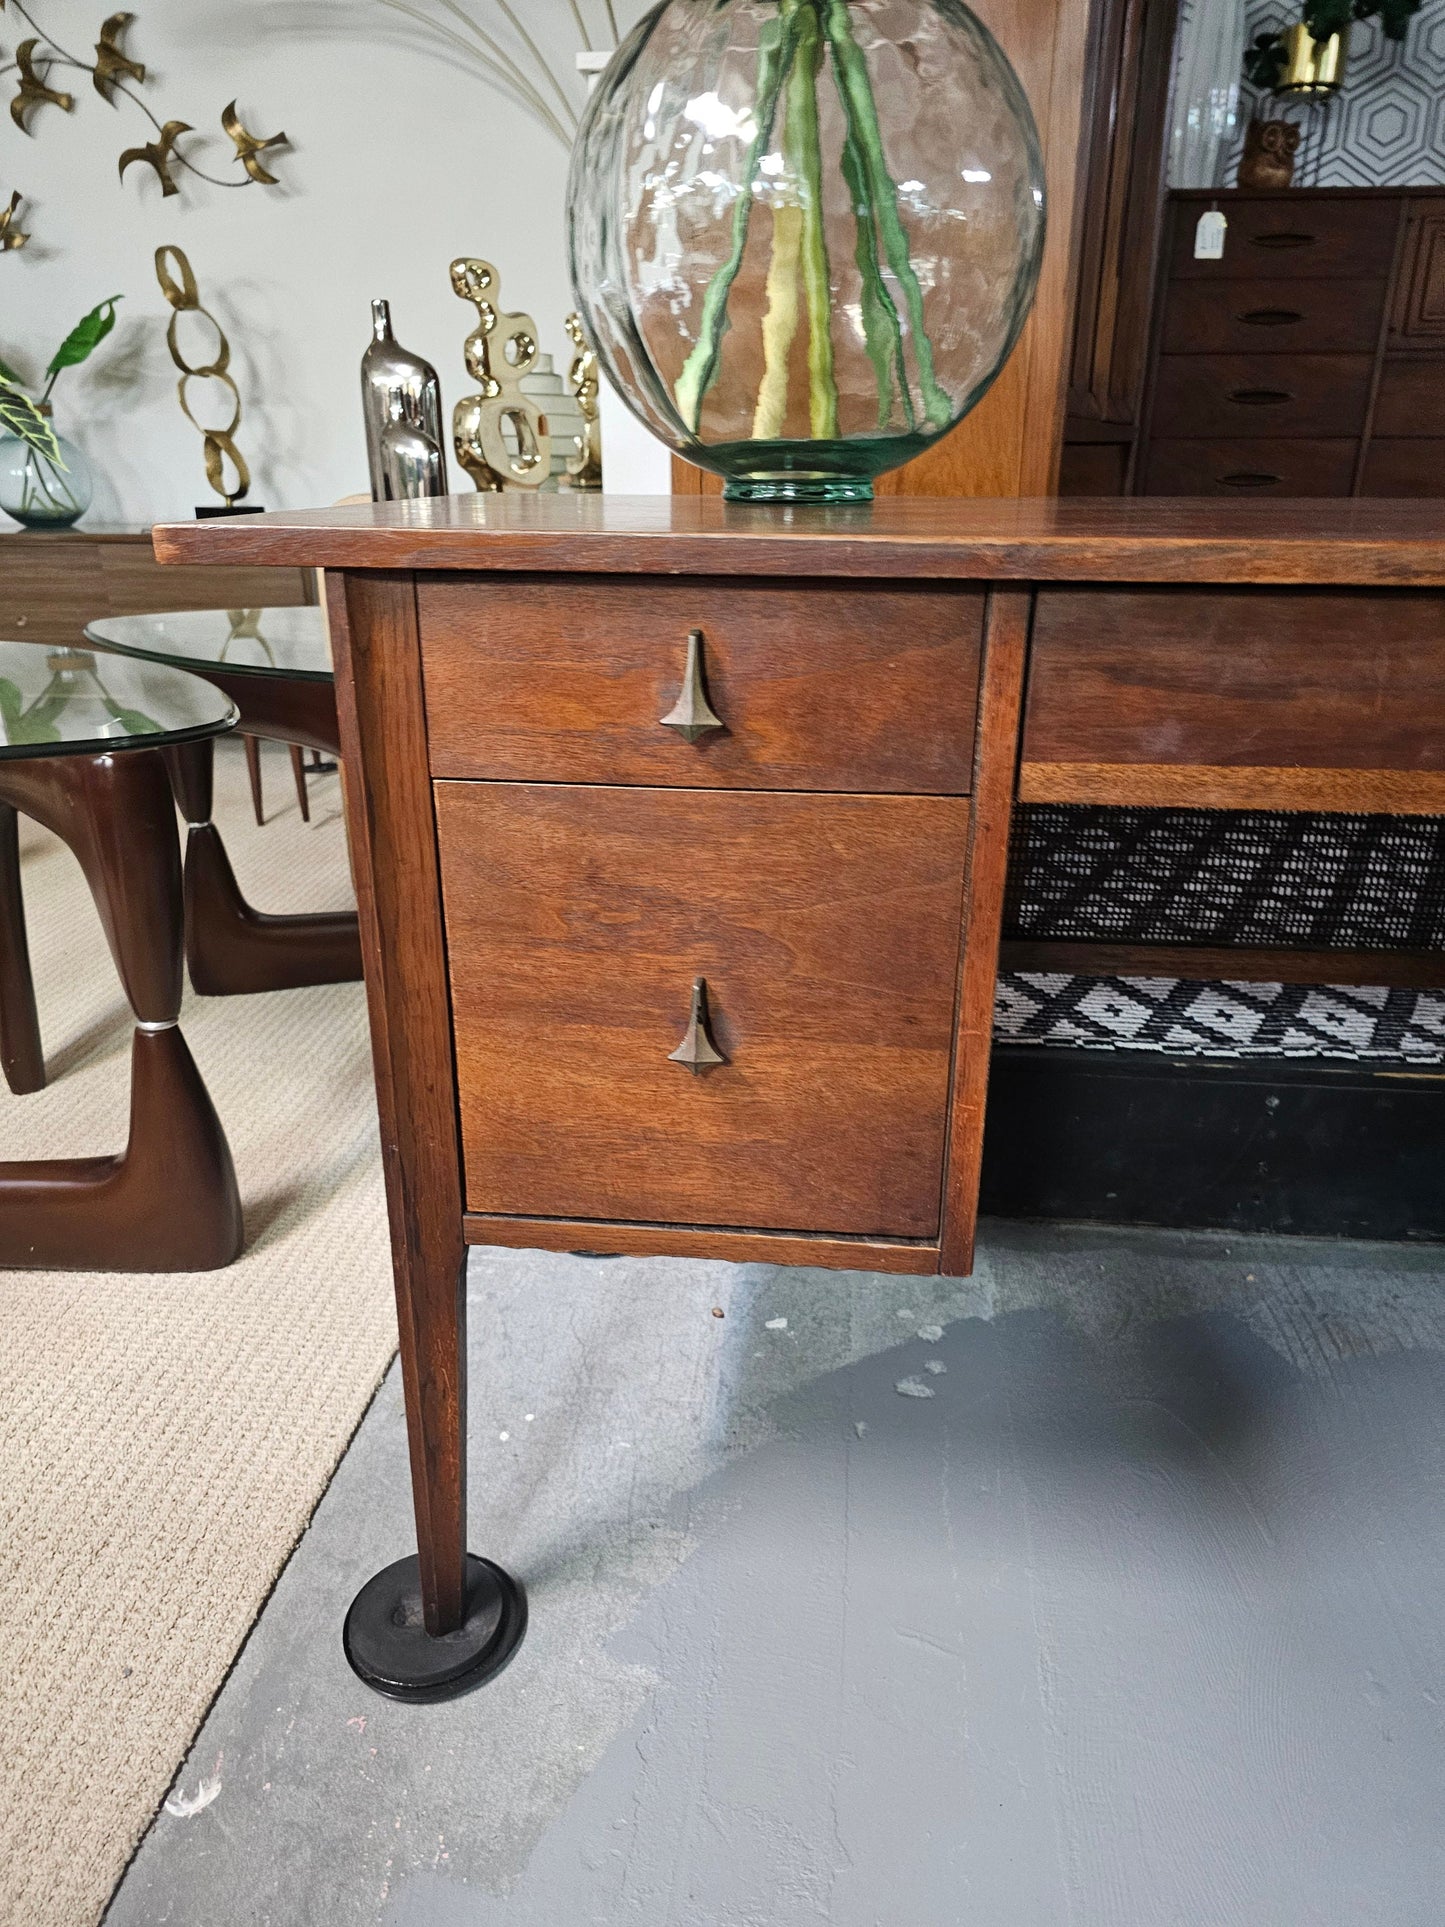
(1135, 1620)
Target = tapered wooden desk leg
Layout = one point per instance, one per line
(20, 1048)
(169, 1201)
(231, 948)
(438, 1623)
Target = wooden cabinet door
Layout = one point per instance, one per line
(826, 928)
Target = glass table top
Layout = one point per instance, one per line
(57, 701)
(243, 642)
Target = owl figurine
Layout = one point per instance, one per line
(1269, 150)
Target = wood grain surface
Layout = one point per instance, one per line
(1046, 540)
(821, 686)
(914, 1258)
(1006, 651)
(827, 929)
(1244, 679)
(393, 847)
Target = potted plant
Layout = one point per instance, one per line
(45, 481)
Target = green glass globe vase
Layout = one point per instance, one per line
(805, 234)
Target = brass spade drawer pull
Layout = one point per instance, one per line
(692, 715)
(697, 1052)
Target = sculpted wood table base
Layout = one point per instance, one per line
(275, 666)
(169, 1201)
(680, 831)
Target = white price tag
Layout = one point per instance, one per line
(1209, 236)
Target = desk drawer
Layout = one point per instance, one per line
(827, 930)
(1292, 235)
(817, 686)
(1245, 395)
(1237, 698)
(1273, 317)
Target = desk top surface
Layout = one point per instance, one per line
(1338, 543)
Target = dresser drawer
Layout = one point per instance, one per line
(1126, 685)
(1292, 235)
(826, 929)
(1412, 466)
(1229, 396)
(1412, 398)
(1274, 316)
(815, 686)
(1253, 466)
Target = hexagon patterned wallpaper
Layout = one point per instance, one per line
(1387, 126)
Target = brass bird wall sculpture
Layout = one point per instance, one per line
(10, 235)
(115, 75)
(33, 89)
(111, 64)
(159, 155)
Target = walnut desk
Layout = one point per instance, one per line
(680, 831)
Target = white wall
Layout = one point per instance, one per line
(399, 161)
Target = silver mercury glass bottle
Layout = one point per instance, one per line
(401, 405)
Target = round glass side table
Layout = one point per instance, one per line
(82, 742)
(275, 665)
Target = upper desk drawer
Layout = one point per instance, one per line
(816, 686)
(1237, 699)
(1293, 235)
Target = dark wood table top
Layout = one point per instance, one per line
(1330, 543)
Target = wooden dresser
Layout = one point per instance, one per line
(1310, 359)
(680, 831)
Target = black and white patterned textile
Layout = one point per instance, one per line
(1243, 878)
(1180, 1018)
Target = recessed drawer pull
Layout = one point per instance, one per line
(697, 1052)
(1247, 478)
(1284, 239)
(1260, 397)
(1270, 317)
(692, 715)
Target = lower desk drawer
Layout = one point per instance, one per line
(826, 929)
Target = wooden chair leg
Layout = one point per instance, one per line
(21, 1054)
(253, 770)
(298, 772)
(169, 1201)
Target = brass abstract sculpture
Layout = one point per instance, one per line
(401, 406)
(584, 470)
(500, 435)
(178, 285)
(115, 74)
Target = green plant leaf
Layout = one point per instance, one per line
(9, 376)
(84, 337)
(19, 416)
(1264, 60)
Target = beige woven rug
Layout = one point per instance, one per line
(163, 1440)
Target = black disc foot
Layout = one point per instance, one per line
(388, 1646)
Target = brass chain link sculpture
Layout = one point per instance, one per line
(178, 285)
